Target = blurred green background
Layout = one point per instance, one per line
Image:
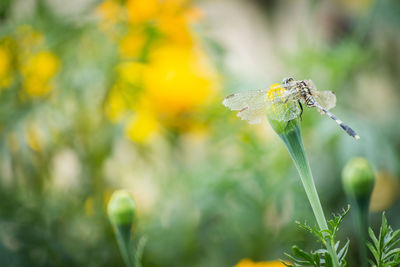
(101, 95)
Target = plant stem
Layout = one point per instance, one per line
(123, 234)
(294, 143)
(361, 223)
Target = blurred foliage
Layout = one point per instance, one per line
(99, 95)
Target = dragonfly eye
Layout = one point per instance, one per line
(287, 80)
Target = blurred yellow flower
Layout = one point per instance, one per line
(5, 67)
(175, 19)
(142, 127)
(249, 263)
(123, 95)
(37, 72)
(131, 72)
(44, 65)
(142, 11)
(176, 29)
(110, 11)
(115, 106)
(35, 87)
(385, 192)
(174, 78)
(179, 79)
(131, 45)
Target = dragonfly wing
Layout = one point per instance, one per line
(250, 104)
(284, 111)
(283, 104)
(327, 99)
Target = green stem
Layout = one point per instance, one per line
(123, 234)
(294, 143)
(361, 223)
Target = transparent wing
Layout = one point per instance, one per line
(327, 99)
(283, 104)
(250, 104)
(282, 95)
(284, 111)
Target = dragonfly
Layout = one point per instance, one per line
(284, 102)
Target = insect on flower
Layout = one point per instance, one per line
(284, 102)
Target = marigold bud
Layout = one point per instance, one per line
(358, 178)
(121, 208)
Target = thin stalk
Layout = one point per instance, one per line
(294, 143)
(123, 234)
(361, 222)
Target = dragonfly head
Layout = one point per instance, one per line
(287, 80)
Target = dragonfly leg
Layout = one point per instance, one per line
(301, 108)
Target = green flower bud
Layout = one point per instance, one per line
(284, 127)
(358, 178)
(121, 208)
(277, 114)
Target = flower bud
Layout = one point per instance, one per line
(284, 127)
(358, 178)
(277, 114)
(121, 208)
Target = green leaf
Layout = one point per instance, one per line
(393, 252)
(285, 263)
(297, 262)
(328, 260)
(317, 260)
(301, 254)
(383, 232)
(373, 237)
(393, 241)
(384, 249)
(343, 252)
(373, 251)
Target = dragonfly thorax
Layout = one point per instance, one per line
(306, 96)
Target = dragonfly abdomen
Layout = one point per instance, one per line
(310, 102)
(345, 127)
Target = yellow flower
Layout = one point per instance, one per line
(44, 65)
(142, 11)
(131, 45)
(179, 79)
(35, 87)
(37, 72)
(110, 11)
(115, 106)
(386, 191)
(124, 94)
(131, 72)
(5, 67)
(142, 127)
(174, 21)
(176, 28)
(249, 263)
